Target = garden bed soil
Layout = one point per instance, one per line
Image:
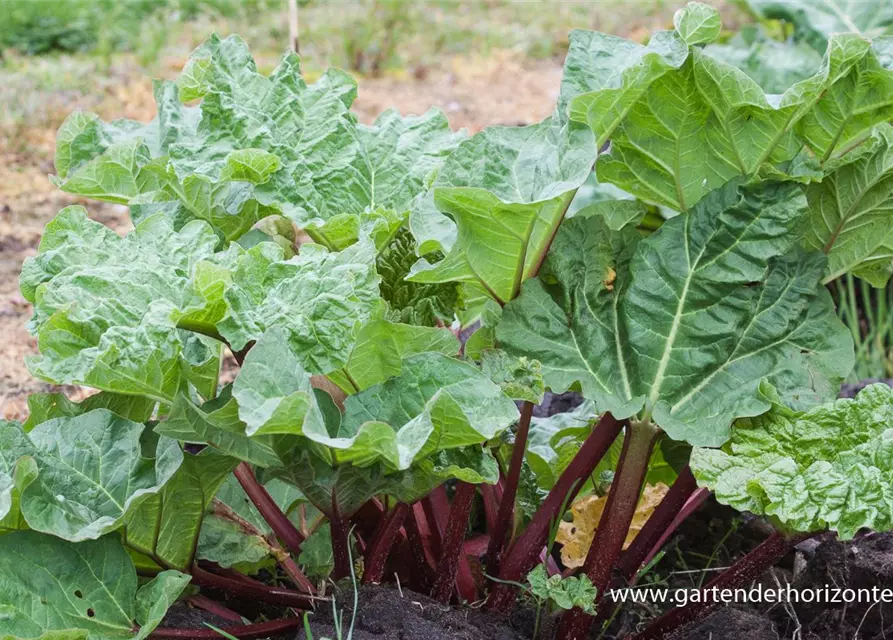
(386, 613)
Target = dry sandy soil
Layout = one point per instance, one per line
(474, 93)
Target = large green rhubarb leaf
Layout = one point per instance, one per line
(320, 299)
(92, 471)
(257, 146)
(273, 391)
(435, 403)
(829, 467)
(166, 525)
(682, 123)
(681, 326)
(403, 436)
(851, 215)
(106, 308)
(53, 588)
(505, 191)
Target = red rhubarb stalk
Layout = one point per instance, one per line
(377, 555)
(261, 592)
(614, 525)
(423, 557)
(505, 518)
(243, 632)
(452, 548)
(491, 505)
(278, 521)
(524, 553)
(746, 570)
(436, 507)
(657, 527)
(340, 541)
(206, 604)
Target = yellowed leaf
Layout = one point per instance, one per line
(610, 278)
(576, 537)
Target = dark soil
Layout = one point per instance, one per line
(387, 613)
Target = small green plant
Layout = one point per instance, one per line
(559, 591)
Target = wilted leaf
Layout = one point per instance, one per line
(576, 537)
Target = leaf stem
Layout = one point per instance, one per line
(259, 591)
(505, 517)
(524, 553)
(658, 527)
(243, 632)
(206, 604)
(340, 541)
(269, 510)
(748, 568)
(380, 548)
(614, 524)
(452, 548)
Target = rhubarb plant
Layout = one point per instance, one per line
(280, 345)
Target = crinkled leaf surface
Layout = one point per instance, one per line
(472, 464)
(775, 66)
(403, 436)
(92, 471)
(106, 307)
(518, 377)
(255, 146)
(319, 298)
(684, 324)
(682, 123)
(565, 592)
(381, 347)
(851, 216)
(436, 403)
(166, 525)
(415, 303)
(87, 589)
(818, 20)
(827, 467)
(346, 486)
(273, 390)
(16, 471)
(505, 191)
